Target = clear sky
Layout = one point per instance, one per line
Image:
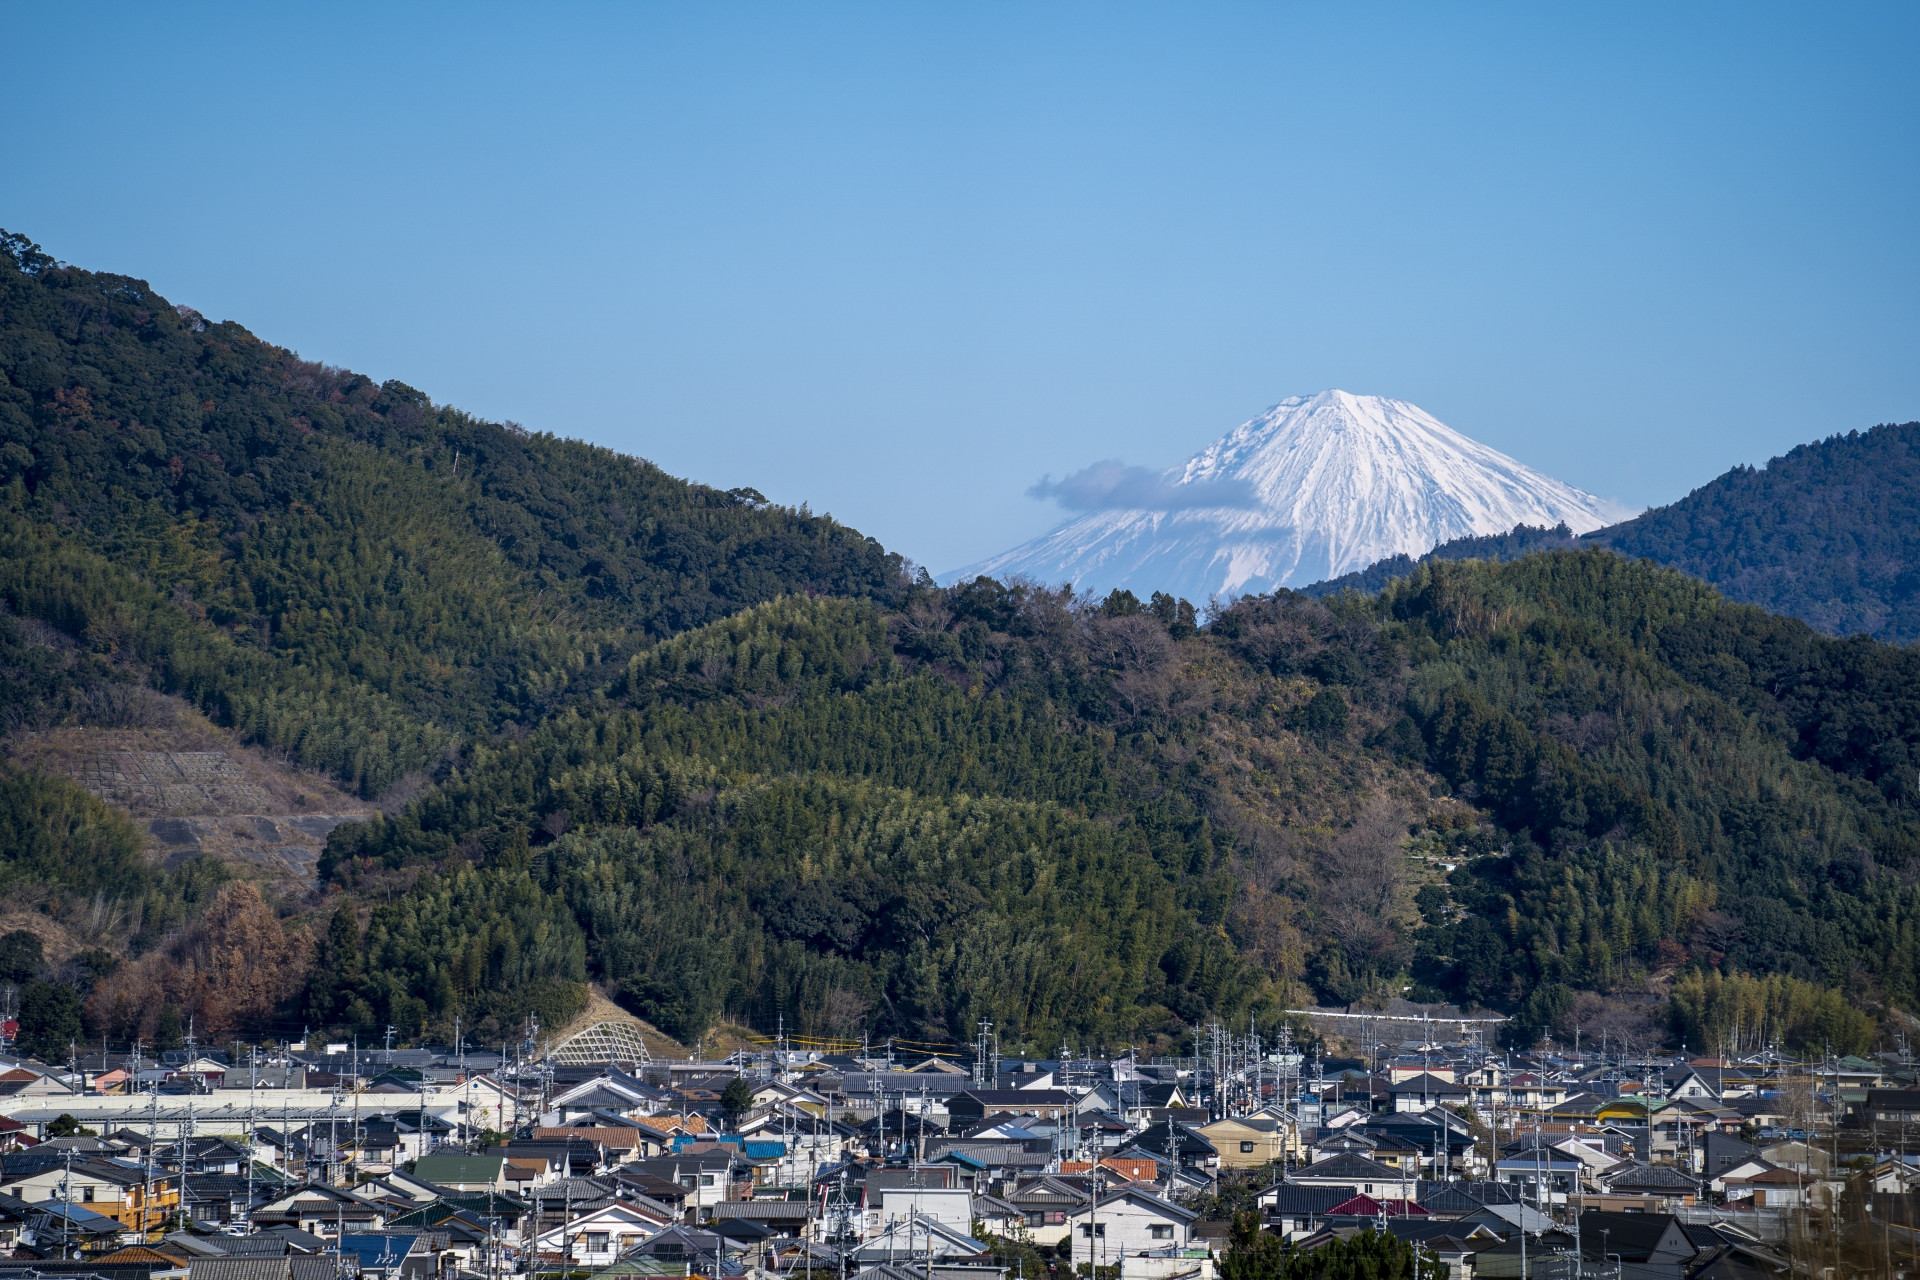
(900, 260)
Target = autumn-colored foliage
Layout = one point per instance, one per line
(232, 970)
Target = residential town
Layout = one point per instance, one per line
(590, 1159)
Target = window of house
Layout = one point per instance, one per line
(707, 1179)
(1089, 1230)
(1246, 1148)
(86, 1194)
(596, 1242)
(1036, 1218)
(1162, 1233)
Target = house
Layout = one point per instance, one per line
(1530, 1091)
(1731, 1181)
(779, 1217)
(1854, 1073)
(223, 1197)
(991, 1162)
(949, 1206)
(1625, 1109)
(1365, 1206)
(1387, 1148)
(1582, 1107)
(1412, 1068)
(801, 1099)
(1802, 1157)
(1648, 1246)
(1246, 1143)
(1455, 1250)
(1688, 1082)
(1423, 1092)
(596, 1238)
(1128, 1223)
(1293, 1211)
(116, 1189)
(1116, 1169)
(22, 1082)
(1453, 1201)
(1891, 1106)
(612, 1091)
(463, 1173)
(1653, 1188)
(918, 1239)
(1541, 1244)
(487, 1104)
(1544, 1171)
(680, 1246)
(322, 1210)
(1368, 1177)
(705, 1177)
(1185, 1146)
(1774, 1187)
(624, 1142)
(55, 1226)
(1048, 1202)
(1722, 1151)
(999, 1217)
(980, 1104)
(378, 1255)
(1138, 1097)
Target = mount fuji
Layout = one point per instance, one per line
(1313, 488)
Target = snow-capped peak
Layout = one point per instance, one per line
(1315, 487)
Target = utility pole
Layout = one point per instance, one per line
(146, 1189)
(253, 1094)
(66, 1193)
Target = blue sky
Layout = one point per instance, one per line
(900, 260)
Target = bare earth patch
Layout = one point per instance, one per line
(194, 789)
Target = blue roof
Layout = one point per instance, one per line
(960, 1157)
(81, 1217)
(377, 1251)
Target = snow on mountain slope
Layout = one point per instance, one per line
(1315, 487)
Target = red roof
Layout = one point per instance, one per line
(1368, 1207)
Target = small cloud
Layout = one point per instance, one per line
(1112, 485)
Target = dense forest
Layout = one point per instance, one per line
(340, 569)
(1001, 802)
(1829, 534)
(728, 760)
(1521, 540)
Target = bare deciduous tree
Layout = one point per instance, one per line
(1361, 894)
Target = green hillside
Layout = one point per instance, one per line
(344, 571)
(724, 759)
(1100, 823)
(1829, 533)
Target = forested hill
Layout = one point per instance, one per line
(726, 761)
(1829, 534)
(344, 570)
(1099, 823)
(1522, 540)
